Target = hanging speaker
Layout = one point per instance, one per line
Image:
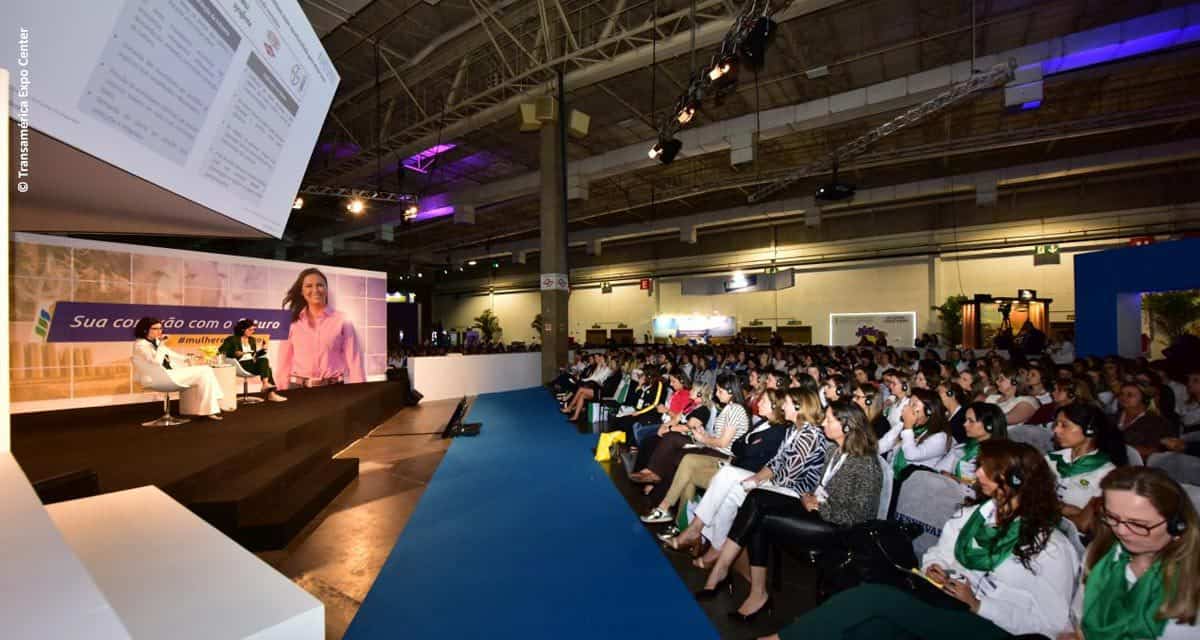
(578, 123)
(529, 121)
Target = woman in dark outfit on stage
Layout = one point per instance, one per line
(242, 346)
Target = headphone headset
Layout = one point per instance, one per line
(868, 400)
(949, 392)
(1089, 427)
(904, 386)
(1013, 477)
(1071, 392)
(1176, 525)
(987, 426)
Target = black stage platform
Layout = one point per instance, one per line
(259, 475)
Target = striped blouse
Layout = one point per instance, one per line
(732, 416)
(800, 460)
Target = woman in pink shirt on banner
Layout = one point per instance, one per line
(321, 347)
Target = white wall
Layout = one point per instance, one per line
(455, 375)
(895, 285)
(1002, 275)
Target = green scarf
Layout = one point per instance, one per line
(1086, 463)
(898, 460)
(1113, 611)
(970, 452)
(982, 548)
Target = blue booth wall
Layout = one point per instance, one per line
(1108, 288)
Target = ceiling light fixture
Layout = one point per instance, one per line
(471, 263)
(411, 211)
(686, 114)
(356, 206)
(298, 203)
(719, 70)
(666, 150)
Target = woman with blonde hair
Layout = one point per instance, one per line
(1142, 572)
(795, 469)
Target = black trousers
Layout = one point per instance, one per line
(768, 519)
(260, 367)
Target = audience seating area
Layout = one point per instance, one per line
(1152, 406)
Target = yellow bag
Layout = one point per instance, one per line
(604, 446)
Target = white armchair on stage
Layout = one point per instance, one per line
(245, 398)
(154, 377)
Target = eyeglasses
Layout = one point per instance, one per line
(1135, 528)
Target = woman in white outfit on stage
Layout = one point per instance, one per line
(149, 345)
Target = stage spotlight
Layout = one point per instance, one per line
(754, 47)
(665, 151)
(686, 114)
(719, 70)
(411, 211)
(298, 203)
(420, 274)
(356, 206)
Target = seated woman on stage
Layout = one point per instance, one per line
(1001, 567)
(1091, 447)
(794, 469)
(149, 344)
(847, 495)
(1141, 576)
(242, 346)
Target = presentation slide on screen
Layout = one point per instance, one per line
(219, 101)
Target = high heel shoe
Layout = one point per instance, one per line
(726, 584)
(750, 617)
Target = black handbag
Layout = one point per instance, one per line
(879, 552)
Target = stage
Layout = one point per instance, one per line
(259, 475)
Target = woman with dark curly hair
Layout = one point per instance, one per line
(1002, 564)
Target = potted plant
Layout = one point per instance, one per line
(950, 313)
(488, 325)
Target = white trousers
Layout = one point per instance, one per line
(723, 498)
(203, 395)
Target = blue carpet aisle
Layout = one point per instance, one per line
(520, 534)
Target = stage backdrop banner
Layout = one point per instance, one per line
(60, 282)
(898, 327)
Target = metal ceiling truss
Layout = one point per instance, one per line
(973, 86)
(362, 194)
(504, 67)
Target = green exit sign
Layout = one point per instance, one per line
(1046, 254)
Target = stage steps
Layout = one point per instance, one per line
(273, 527)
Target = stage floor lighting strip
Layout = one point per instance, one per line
(520, 534)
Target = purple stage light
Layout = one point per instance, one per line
(1127, 49)
(1032, 104)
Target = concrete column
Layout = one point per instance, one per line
(553, 252)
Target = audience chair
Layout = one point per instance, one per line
(1193, 492)
(1040, 438)
(1069, 530)
(1182, 467)
(885, 490)
(245, 398)
(927, 499)
(153, 377)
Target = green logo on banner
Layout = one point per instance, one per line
(42, 327)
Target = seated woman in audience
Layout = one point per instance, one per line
(641, 412)
(1002, 559)
(923, 436)
(1189, 406)
(983, 421)
(1035, 384)
(149, 344)
(793, 470)
(954, 401)
(1090, 447)
(847, 494)
(673, 414)
(1141, 576)
(1063, 393)
(1017, 408)
(1139, 421)
(899, 392)
(700, 463)
(589, 387)
(836, 388)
